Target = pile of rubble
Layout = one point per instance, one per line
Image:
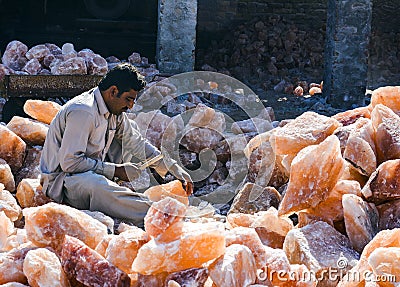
(267, 51)
(319, 204)
(49, 59)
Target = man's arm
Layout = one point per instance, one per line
(72, 156)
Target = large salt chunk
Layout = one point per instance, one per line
(97, 65)
(43, 111)
(206, 117)
(6, 229)
(388, 96)
(32, 132)
(198, 139)
(38, 52)
(198, 243)
(383, 183)
(389, 215)
(385, 264)
(17, 240)
(270, 238)
(319, 246)
(387, 139)
(43, 268)
(6, 176)
(11, 265)
(236, 268)
(103, 244)
(361, 219)
(72, 66)
(86, 266)
(173, 189)
(163, 214)
(30, 194)
(248, 237)
(313, 174)
(12, 148)
(9, 204)
(299, 133)
(251, 125)
(331, 209)
(32, 67)
(351, 116)
(360, 153)
(122, 249)
(253, 198)
(14, 55)
(47, 225)
(262, 163)
(193, 277)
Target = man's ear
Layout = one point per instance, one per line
(114, 91)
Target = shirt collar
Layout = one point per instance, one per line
(103, 110)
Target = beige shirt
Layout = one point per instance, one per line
(80, 137)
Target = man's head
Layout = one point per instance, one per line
(120, 86)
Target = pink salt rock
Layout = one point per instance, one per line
(6, 176)
(97, 65)
(43, 268)
(86, 54)
(53, 48)
(12, 148)
(251, 125)
(387, 139)
(17, 240)
(299, 133)
(173, 189)
(383, 183)
(384, 263)
(100, 216)
(30, 194)
(319, 246)
(193, 277)
(198, 139)
(30, 167)
(197, 244)
(389, 215)
(38, 52)
(7, 229)
(32, 132)
(103, 244)
(140, 280)
(331, 209)
(361, 219)
(270, 238)
(88, 267)
(253, 198)
(122, 249)
(32, 67)
(47, 225)
(68, 48)
(388, 96)
(206, 117)
(313, 174)
(134, 58)
(72, 66)
(235, 268)
(361, 155)
(262, 164)
(11, 265)
(43, 111)
(14, 55)
(9, 204)
(351, 116)
(277, 261)
(163, 214)
(48, 60)
(248, 237)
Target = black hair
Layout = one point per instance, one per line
(125, 76)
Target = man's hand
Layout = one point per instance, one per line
(181, 174)
(127, 171)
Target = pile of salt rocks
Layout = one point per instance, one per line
(49, 59)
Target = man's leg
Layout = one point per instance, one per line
(92, 191)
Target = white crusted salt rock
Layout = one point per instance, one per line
(198, 139)
(71, 66)
(68, 48)
(43, 111)
(14, 55)
(43, 268)
(32, 67)
(134, 58)
(206, 117)
(6, 176)
(313, 174)
(53, 48)
(38, 52)
(18, 239)
(47, 225)
(361, 220)
(32, 132)
(12, 148)
(384, 263)
(100, 216)
(6, 229)
(97, 65)
(11, 265)
(9, 204)
(235, 268)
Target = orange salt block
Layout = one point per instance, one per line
(11, 265)
(300, 133)
(388, 96)
(12, 148)
(43, 111)
(351, 116)
(163, 214)
(6, 176)
(313, 174)
(30, 194)
(9, 204)
(29, 130)
(198, 243)
(172, 189)
(385, 263)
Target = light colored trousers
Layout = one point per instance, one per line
(92, 191)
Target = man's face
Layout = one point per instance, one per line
(121, 103)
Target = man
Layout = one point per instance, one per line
(86, 144)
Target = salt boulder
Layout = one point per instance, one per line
(32, 132)
(43, 111)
